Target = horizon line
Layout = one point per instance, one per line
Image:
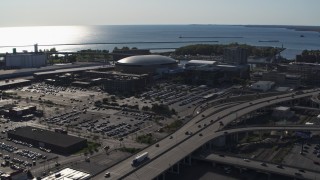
(169, 24)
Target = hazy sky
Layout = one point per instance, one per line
(104, 12)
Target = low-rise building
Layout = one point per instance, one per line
(56, 142)
(25, 60)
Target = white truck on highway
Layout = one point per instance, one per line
(139, 158)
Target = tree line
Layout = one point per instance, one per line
(218, 49)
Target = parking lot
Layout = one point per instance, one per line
(178, 95)
(309, 156)
(73, 109)
(21, 155)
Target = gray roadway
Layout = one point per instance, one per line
(173, 150)
(125, 166)
(269, 167)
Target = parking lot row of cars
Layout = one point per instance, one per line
(22, 152)
(137, 115)
(65, 118)
(46, 89)
(182, 94)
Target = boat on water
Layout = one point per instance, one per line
(269, 41)
(301, 35)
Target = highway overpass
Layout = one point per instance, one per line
(172, 150)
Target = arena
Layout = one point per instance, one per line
(150, 64)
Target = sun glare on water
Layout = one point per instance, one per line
(20, 36)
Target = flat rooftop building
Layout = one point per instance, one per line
(7, 84)
(68, 174)
(57, 142)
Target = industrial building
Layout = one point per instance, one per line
(280, 79)
(25, 60)
(213, 73)
(115, 81)
(56, 142)
(307, 71)
(146, 64)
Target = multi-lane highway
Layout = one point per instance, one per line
(173, 149)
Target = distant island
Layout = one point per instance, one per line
(297, 28)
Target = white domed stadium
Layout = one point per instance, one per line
(145, 64)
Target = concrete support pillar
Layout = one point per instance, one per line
(161, 176)
(237, 137)
(260, 135)
(175, 169)
(186, 161)
(213, 164)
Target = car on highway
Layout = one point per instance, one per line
(263, 164)
(298, 174)
(246, 160)
(107, 175)
(279, 166)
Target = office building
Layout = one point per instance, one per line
(235, 55)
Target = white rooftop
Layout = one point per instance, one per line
(201, 62)
(68, 174)
(264, 82)
(282, 108)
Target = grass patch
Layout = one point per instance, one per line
(91, 147)
(173, 126)
(282, 153)
(129, 150)
(250, 138)
(146, 139)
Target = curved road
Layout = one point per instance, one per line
(172, 150)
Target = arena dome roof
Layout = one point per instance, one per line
(146, 60)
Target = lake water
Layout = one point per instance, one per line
(162, 36)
